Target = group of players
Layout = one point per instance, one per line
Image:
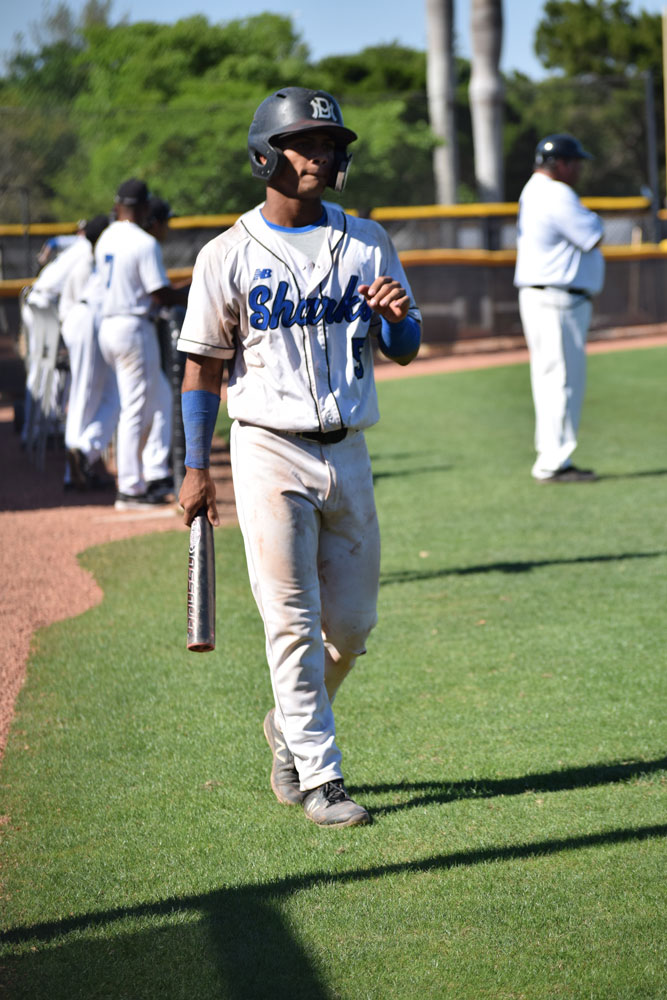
(292, 301)
(101, 294)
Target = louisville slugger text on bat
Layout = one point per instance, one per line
(201, 585)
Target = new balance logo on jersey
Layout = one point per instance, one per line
(272, 309)
(262, 273)
(323, 108)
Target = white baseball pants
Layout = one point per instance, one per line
(157, 453)
(312, 541)
(555, 324)
(92, 410)
(42, 330)
(129, 346)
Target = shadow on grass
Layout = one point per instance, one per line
(647, 473)
(231, 943)
(423, 793)
(394, 473)
(235, 943)
(409, 576)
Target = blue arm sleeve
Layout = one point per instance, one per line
(200, 410)
(398, 339)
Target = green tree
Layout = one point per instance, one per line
(36, 95)
(172, 103)
(601, 52)
(602, 37)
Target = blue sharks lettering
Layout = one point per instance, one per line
(270, 310)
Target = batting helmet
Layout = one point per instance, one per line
(289, 111)
(559, 147)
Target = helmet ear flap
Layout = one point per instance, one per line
(340, 169)
(272, 160)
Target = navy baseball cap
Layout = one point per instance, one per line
(132, 192)
(159, 210)
(560, 146)
(95, 227)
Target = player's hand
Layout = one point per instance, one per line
(387, 297)
(197, 491)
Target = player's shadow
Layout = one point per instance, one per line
(645, 474)
(396, 473)
(234, 942)
(510, 566)
(411, 795)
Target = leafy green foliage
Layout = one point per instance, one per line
(607, 115)
(604, 51)
(97, 102)
(602, 37)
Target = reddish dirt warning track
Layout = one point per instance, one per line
(42, 528)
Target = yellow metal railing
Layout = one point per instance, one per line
(473, 210)
(11, 287)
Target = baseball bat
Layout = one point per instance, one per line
(201, 585)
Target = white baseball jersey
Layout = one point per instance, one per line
(130, 262)
(48, 285)
(75, 282)
(556, 238)
(296, 332)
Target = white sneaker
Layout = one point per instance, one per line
(142, 501)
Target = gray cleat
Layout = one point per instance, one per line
(330, 805)
(284, 775)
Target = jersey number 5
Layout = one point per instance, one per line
(357, 348)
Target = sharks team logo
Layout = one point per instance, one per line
(270, 309)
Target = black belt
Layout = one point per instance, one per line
(323, 437)
(572, 291)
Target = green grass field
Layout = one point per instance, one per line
(506, 729)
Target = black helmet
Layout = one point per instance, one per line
(559, 147)
(292, 110)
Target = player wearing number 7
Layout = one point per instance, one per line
(293, 298)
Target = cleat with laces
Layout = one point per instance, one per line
(284, 775)
(330, 805)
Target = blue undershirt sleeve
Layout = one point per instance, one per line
(200, 411)
(396, 340)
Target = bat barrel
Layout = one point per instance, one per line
(201, 585)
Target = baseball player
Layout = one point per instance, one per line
(54, 245)
(92, 410)
(559, 268)
(156, 456)
(130, 262)
(292, 298)
(39, 314)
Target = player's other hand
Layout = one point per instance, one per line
(387, 297)
(197, 491)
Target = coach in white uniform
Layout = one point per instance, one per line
(559, 268)
(290, 298)
(130, 262)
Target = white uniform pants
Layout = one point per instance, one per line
(92, 411)
(307, 513)
(129, 346)
(555, 324)
(157, 453)
(42, 330)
